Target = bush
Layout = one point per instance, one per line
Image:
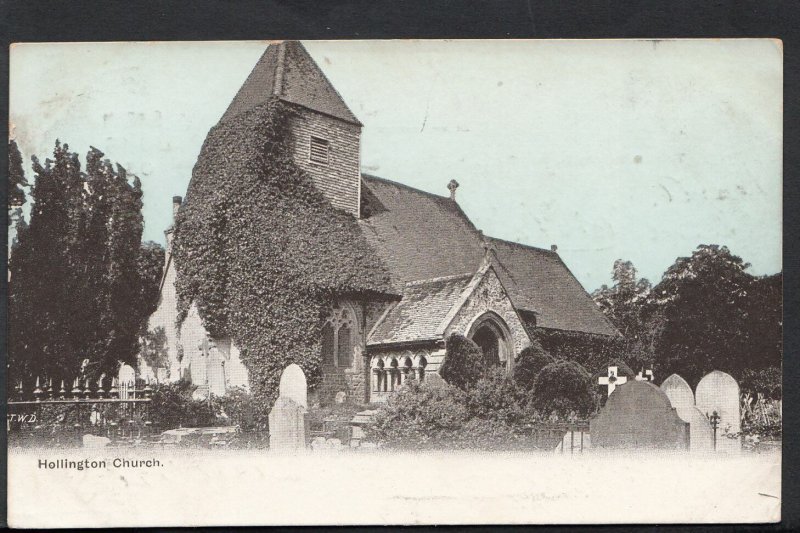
(463, 362)
(172, 406)
(496, 396)
(563, 387)
(766, 382)
(239, 408)
(420, 416)
(528, 364)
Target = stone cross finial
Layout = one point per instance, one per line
(452, 186)
(612, 379)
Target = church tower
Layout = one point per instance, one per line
(326, 134)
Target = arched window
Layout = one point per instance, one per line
(422, 364)
(379, 376)
(395, 374)
(407, 372)
(328, 351)
(337, 338)
(344, 348)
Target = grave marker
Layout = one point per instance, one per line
(639, 415)
(682, 399)
(293, 385)
(612, 379)
(718, 392)
(287, 419)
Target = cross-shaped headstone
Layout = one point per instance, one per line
(612, 379)
(644, 375)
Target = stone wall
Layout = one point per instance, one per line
(340, 179)
(165, 317)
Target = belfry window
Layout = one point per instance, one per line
(337, 338)
(319, 150)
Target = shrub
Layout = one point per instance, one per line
(494, 435)
(528, 364)
(172, 406)
(563, 387)
(420, 416)
(766, 382)
(463, 362)
(239, 408)
(496, 396)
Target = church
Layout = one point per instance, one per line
(447, 276)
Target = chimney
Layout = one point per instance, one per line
(176, 204)
(452, 186)
(553, 248)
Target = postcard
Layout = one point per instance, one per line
(395, 282)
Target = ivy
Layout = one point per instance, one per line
(262, 253)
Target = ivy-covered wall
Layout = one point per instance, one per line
(262, 253)
(593, 352)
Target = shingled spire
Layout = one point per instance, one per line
(286, 70)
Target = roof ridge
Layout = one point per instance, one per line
(408, 187)
(523, 245)
(453, 277)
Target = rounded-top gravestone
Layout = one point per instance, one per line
(679, 392)
(682, 398)
(293, 385)
(639, 415)
(719, 392)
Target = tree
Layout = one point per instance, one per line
(463, 363)
(624, 305)
(150, 268)
(16, 182)
(77, 293)
(704, 302)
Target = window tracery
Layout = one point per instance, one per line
(337, 337)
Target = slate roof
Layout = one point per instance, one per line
(419, 314)
(287, 71)
(418, 235)
(422, 236)
(538, 280)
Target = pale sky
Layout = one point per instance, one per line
(610, 149)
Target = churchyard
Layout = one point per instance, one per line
(634, 415)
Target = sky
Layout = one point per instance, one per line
(639, 150)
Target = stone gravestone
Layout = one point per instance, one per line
(293, 385)
(639, 415)
(718, 392)
(127, 380)
(287, 420)
(682, 399)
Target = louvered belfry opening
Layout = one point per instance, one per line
(319, 150)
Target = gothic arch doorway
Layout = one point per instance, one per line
(492, 335)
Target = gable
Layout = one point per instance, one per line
(486, 294)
